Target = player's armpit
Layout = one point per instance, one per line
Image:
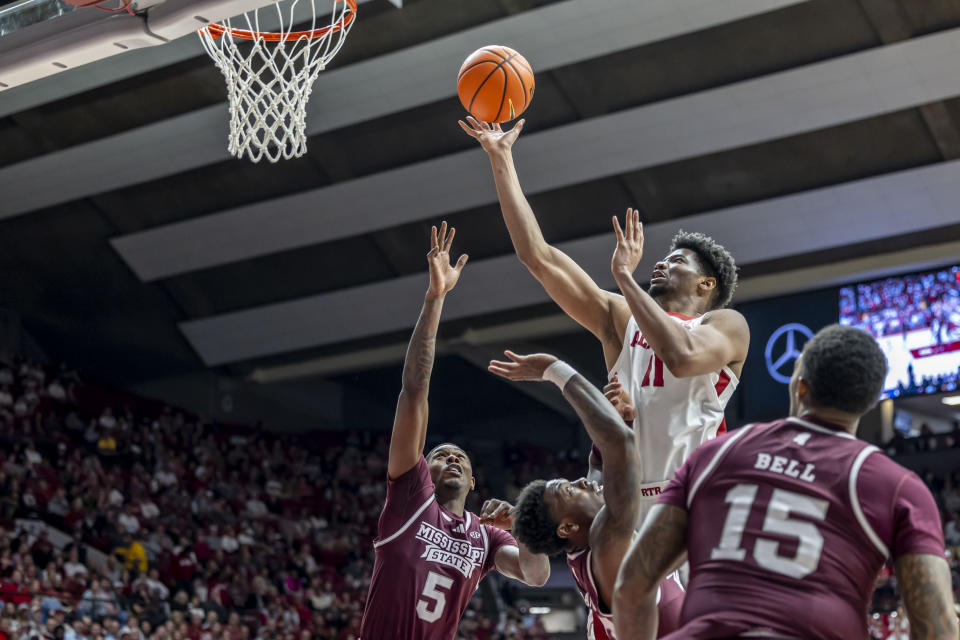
(659, 548)
(925, 587)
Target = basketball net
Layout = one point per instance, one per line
(270, 75)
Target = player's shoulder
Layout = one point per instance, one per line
(726, 318)
(879, 466)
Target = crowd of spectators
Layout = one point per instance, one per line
(182, 530)
(896, 305)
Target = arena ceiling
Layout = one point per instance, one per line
(819, 140)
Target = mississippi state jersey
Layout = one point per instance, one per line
(674, 415)
(428, 563)
(600, 617)
(789, 524)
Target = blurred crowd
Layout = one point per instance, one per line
(180, 530)
(163, 527)
(897, 305)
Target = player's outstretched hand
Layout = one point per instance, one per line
(490, 136)
(522, 367)
(497, 513)
(620, 399)
(629, 249)
(443, 275)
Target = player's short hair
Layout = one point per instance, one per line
(533, 525)
(715, 261)
(844, 369)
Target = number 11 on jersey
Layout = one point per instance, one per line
(656, 364)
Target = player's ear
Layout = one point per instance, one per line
(473, 483)
(708, 284)
(566, 528)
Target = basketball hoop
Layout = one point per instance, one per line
(270, 75)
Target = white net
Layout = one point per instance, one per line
(270, 75)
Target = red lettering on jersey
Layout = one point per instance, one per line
(638, 339)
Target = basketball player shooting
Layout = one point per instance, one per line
(675, 348)
(787, 524)
(430, 552)
(593, 525)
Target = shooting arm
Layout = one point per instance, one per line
(566, 283)
(719, 340)
(658, 550)
(925, 586)
(410, 422)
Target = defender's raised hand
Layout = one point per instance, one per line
(522, 367)
(443, 275)
(629, 249)
(490, 136)
(497, 513)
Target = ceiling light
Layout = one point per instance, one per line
(953, 401)
(540, 610)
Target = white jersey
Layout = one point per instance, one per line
(674, 415)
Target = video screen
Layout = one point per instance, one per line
(916, 320)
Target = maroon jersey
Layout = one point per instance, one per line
(789, 524)
(428, 563)
(599, 616)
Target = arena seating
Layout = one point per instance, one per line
(227, 532)
(213, 532)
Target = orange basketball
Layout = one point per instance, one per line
(495, 84)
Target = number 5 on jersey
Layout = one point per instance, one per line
(431, 608)
(777, 521)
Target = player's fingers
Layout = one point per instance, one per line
(519, 126)
(496, 127)
(433, 236)
(516, 357)
(461, 263)
(616, 230)
(442, 237)
(474, 123)
(470, 132)
(500, 371)
(449, 243)
(637, 226)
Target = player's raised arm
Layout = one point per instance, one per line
(611, 535)
(925, 586)
(720, 340)
(410, 422)
(659, 549)
(602, 313)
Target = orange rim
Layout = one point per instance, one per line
(217, 30)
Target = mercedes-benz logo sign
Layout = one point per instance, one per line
(783, 348)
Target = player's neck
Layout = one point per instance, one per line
(847, 421)
(452, 502)
(690, 306)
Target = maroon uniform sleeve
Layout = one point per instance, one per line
(675, 492)
(498, 538)
(405, 495)
(899, 508)
(916, 520)
(678, 490)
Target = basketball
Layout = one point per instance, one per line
(495, 84)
